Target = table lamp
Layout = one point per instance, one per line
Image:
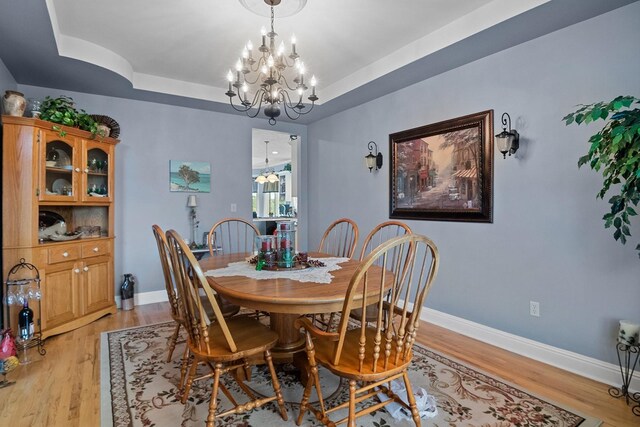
(192, 203)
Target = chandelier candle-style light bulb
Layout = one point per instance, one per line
(273, 78)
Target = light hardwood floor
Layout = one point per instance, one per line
(63, 388)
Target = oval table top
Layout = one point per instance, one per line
(287, 295)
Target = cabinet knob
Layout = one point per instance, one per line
(86, 170)
(77, 270)
(85, 268)
(77, 169)
(65, 254)
(96, 249)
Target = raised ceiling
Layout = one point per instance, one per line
(186, 47)
(178, 52)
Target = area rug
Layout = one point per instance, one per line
(138, 388)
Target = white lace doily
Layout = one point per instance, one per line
(313, 274)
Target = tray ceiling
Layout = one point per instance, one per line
(179, 52)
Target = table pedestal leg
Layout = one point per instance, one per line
(290, 340)
(291, 346)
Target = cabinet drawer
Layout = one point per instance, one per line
(63, 254)
(91, 249)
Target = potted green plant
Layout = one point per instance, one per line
(62, 110)
(616, 150)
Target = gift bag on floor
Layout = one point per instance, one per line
(426, 403)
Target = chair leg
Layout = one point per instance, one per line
(314, 379)
(332, 316)
(412, 400)
(276, 385)
(247, 371)
(185, 365)
(192, 374)
(305, 399)
(213, 404)
(172, 341)
(352, 404)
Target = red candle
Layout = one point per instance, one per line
(266, 245)
(284, 243)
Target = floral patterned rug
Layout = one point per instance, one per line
(140, 389)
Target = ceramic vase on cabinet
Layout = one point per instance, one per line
(13, 103)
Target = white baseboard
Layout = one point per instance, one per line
(585, 366)
(589, 367)
(144, 298)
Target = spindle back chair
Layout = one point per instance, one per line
(373, 355)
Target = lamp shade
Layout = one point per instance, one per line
(192, 202)
(504, 142)
(371, 161)
(270, 187)
(507, 141)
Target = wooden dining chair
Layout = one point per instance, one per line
(370, 356)
(228, 310)
(379, 235)
(224, 345)
(167, 271)
(340, 238)
(232, 236)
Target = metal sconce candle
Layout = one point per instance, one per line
(507, 141)
(193, 204)
(628, 348)
(373, 160)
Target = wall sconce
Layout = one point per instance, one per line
(507, 141)
(192, 203)
(373, 160)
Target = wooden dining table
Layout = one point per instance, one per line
(288, 299)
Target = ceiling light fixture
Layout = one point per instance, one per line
(277, 80)
(267, 176)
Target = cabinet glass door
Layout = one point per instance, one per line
(97, 181)
(59, 170)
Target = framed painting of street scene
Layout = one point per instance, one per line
(444, 171)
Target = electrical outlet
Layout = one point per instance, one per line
(234, 207)
(534, 308)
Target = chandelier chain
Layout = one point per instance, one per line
(272, 19)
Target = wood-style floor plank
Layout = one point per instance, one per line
(63, 388)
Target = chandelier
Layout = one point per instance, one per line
(267, 176)
(277, 80)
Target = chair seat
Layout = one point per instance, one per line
(349, 362)
(371, 313)
(251, 337)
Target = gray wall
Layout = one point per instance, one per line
(151, 135)
(7, 82)
(547, 242)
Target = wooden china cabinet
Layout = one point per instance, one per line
(49, 175)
